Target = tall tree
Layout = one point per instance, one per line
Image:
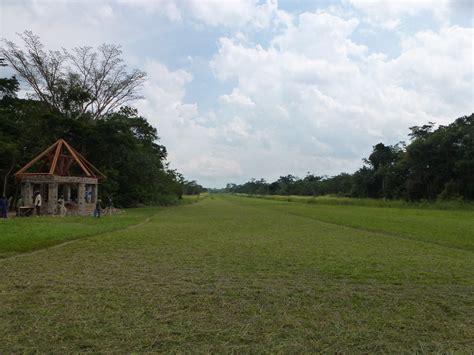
(84, 80)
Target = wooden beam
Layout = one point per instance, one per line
(94, 169)
(78, 160)
(40, 156)
(31, 174)
(56, 156)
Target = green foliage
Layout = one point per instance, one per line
(121, 144)
(441, 162)
(192, 188)
(80, 97)
(9, 87)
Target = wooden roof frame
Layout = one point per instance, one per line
(87, 168)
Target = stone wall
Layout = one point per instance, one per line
(50, 202)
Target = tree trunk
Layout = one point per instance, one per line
(5, 178)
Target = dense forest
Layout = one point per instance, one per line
(82, 97)
(436, 164)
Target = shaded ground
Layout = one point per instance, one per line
(235, 274)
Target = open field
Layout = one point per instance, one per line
(450, 227)
(246, 275)
(370, 202)
(20, 235)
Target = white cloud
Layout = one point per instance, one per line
(237, 98)
(59, 23)
(191, 143)
(320, 35)
(168, 9)
(230, 14)
(387, 14)
(212, 167)
(236, 13)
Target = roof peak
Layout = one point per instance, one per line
(58, 159)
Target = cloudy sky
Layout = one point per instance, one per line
(246, 88)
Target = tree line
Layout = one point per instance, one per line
(83, 98)
(438, 163)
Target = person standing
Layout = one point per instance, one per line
(19, 205)
(98, 208)
(3, 207)
(38, 202)
(62, 210)
(110, 205)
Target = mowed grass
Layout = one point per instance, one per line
(451, 228)
(370, 202)
(232, 274)
(20, 235)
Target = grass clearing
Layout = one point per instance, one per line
(451, 228)
(370, 202)
(21, 235)
(245, 275)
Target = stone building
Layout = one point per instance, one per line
(60, 172)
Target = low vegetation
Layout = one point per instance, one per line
(370, 202)
(234, 274)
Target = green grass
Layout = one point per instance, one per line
(451, 228)
(188, 199)
(20, 235)
(370, 202)
(232, 274)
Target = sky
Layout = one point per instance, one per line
(258, 89)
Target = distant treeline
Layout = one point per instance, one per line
(436, 164)
(81, 96)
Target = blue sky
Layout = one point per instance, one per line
(246, 88)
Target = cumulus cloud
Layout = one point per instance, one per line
(237, 98)
(236, 13)
(192, 144)
(211, 167)
(50, 22)
(240, 14)
(321, 95)
(168, 9)
(388, 14)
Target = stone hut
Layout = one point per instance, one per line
(61, 172)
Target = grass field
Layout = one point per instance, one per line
(234, 274)
(20, 235)
(370, 202)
